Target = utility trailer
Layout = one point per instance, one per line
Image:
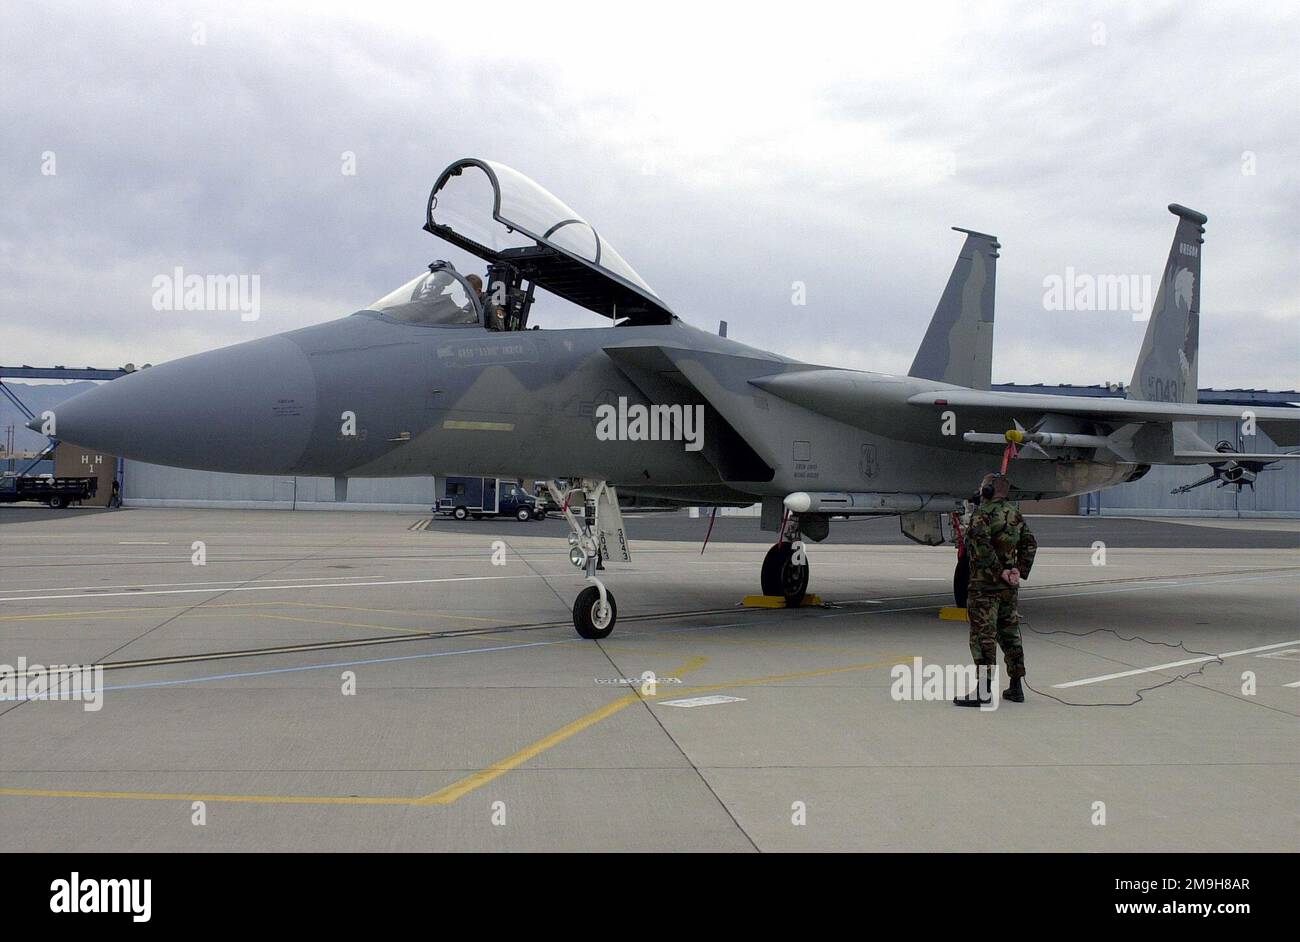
(57, 492)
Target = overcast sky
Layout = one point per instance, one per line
(726, 154)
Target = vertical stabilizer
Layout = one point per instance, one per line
(958, 346)
(1166, 367)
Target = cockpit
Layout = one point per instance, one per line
(440, 296)
(529, 239)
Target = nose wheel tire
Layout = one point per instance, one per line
(782, 576)
(961, 582)
(589, 618)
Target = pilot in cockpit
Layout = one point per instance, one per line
(430, 299)
(494, 315)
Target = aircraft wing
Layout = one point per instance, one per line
(1129, 429)
(1120, 422)
(1241, 457)
(1112, 411)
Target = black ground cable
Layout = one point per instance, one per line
(1214, 659)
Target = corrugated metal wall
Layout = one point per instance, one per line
(1276, 493)
(155, 485)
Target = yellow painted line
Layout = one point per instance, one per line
(444, 796)
(113, 612)
(457, 790)
(479, 426)
(345, 624)
(800, 675)
(468, 784)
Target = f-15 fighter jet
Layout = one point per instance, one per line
(446, 375)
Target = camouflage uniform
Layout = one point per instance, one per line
(996, 540)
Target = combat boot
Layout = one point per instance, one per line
(1014, 693)
(983, 693)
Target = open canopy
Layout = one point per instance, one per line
(502, 216)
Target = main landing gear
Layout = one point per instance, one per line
(594, 610)
(785, 567)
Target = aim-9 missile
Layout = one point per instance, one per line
(1019, 436)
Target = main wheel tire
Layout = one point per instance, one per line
(961, 582)
(58, 502)
(460, 513)
(523, 515)
(781, 576)
(588, 620)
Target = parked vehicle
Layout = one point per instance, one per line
(487, 497)
(543, 497)
(46, 489)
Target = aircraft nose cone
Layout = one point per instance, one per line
(247, 408)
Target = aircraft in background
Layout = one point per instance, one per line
(438, 377)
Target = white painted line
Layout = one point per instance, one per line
(336, 585)
(263, 588)
(101, 589)
(702, 701)
(1296, 684)
(925, 579)
(1171, 664)
(1290, 654)
(142, 543)
(1037, 592)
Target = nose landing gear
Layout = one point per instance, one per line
(594, 610)
(785, 567)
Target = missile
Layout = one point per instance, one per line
(1043, 439)
(842, 502)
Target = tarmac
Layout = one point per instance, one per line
(340, 681)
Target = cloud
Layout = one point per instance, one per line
(725, 156)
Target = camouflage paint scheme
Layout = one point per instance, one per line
(466, 400)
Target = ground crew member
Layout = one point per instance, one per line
(1001, 552)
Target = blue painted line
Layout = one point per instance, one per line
(332, 666)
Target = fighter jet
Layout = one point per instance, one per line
(441, 377)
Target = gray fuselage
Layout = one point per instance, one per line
(367, 396)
